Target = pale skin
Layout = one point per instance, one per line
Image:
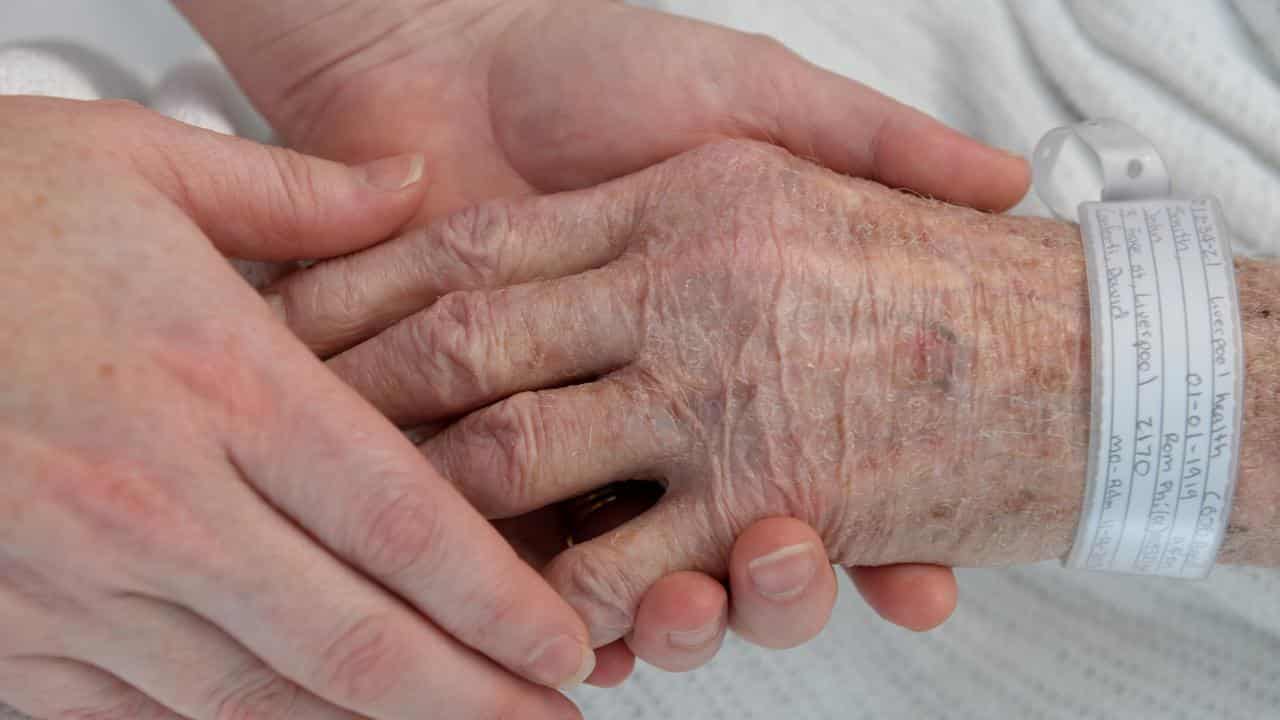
(180, 535)
(504, 98)
(768, 338)
(162, 550)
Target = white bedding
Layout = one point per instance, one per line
(1200, 78)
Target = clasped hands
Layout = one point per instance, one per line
(203, 520)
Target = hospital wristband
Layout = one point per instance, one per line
(1167, 355)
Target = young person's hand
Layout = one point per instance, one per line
(197, 519)
(514, 97)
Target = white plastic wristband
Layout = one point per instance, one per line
(1168, 357)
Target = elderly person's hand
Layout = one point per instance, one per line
(765, 338)
(517, 97)
(197, 519)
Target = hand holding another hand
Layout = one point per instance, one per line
(518, 97)
(762, 336)
(196, 518)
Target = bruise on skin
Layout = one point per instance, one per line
(945, 510)
(931, 356)
(1050, 378)
(1021, 501)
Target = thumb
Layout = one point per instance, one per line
(853, 129)
(267, 203)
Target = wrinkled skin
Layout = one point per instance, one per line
(516, 97)
(763, 336)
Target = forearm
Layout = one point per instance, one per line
(1008, 483)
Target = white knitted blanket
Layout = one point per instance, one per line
(1202, 79)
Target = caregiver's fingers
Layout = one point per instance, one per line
(614, 664)
(333, 632)
(853, 129)
(537, 448)
(681, 622)
(193, 667)
(338, 303)
(783, 586)
(262, 202)
(49, 687)
(338, 469)
(916, 597)
(606, 578)
(471, 348)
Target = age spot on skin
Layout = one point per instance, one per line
(1022, 501)
(943, 511)
(106, 371)
(935, 357)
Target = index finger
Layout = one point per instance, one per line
(338, 303)
(342, 472)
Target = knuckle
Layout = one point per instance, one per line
(256, 694)
(491, 617)
(508, 442)
(400, 534)
(599, 587)
(131, 513)
(295, 177)
(450, 342)
(478, 242)
(328, 303)
(220, 370)
(366, 661)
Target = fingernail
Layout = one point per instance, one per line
(783, 574)
(563, 663)
(276, 303)
(694, 639)
(394, 173)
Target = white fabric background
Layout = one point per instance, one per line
(1202, 79)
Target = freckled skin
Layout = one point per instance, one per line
(868, 361)
(766, 338)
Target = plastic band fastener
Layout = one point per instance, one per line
(1168, 356)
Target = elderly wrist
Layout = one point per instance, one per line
(1253, 531)
(999, 479)
(1020, 451)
